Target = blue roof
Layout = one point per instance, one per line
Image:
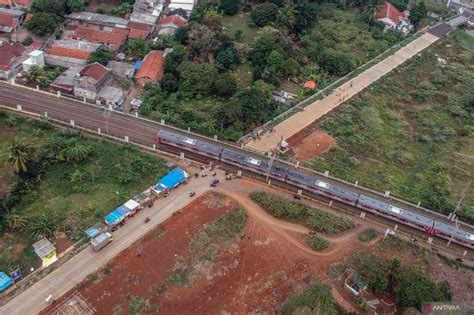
(114, 217)
(175, 177)
(138, 65)
(92, 232)
(123, 210)
(5, 281)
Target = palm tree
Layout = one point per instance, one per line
(43, 224)
(18, 156)
(38, 76)
(76, 152)
(15, 220)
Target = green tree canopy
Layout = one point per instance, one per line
(227, 58)
(229, 7)
(137, 48)
(225, 85)
(37, 76)
(57, 7)
(197, 79)
(418, 12)
(75, 5)
(19, 156)
(42, 23)
(102, 55)
(264, 14)
(169, 82)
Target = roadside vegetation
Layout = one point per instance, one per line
(315, 299)
(368, 235)
(231, 57)
(410, 285)
(412, 133)
(59, 181)
(317, 243)
(316, 219)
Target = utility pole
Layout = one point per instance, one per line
(274, 156)
(106, 114)
(458, 205)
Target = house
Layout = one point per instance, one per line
(69, 52)
(111, 97)
(392, 18)
(15, 3)
(146, 11)
(11, 20)
(11, 58)
(169, 25)
(151, 69)
(113, 38)
(36, 59)
(76, 19)
(121, 70)
(139, 30)
(65, 82)
(90, 80)
(186, 5)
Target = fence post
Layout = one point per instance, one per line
(126, 139)
(19, 107)
(72, 123)
(98, 131)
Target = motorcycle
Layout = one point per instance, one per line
(147, 219)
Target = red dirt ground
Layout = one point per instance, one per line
(257, 273)
(306, 145)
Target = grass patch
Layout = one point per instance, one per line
(236, 27)
(317, 219)
(136, 305)
(315, 299)
(317, 243)
(367, 235)
(411, 134)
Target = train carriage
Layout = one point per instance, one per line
(458, 235)
(189, 144)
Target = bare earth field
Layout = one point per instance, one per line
(305, 145)
(256, 272)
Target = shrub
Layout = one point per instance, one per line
(264, 14)
(136, 305)
(367, 235)
(316, 299)
(317, 243)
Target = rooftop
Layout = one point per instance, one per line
(72, 48)
(177, 20)
(143, 18)
(96, 18)
(67, 77)
(43, 247)
(114, 38)
(12, 12)
(8, 52)
(387, 10)
(95, 71)
(152, 66)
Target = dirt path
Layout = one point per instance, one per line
(301, 120)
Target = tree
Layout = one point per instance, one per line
(291, 67)
(264, 14)
(286, 16)
(101, 55)
(229, 7)
(57, 7)
(137, 48)
(42, 23)
(75, 5)
(169, 82)
(181, 35)
(76, 152)
(43, 224)
(225, 85)
(336, 62)
(197, 78)
(15, 221)
(307, 16)
(418, 12)
(227, 58)
(37, 76)
(18, 156)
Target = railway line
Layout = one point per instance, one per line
(142, 131)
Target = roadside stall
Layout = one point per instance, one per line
(173, 179)
(5, 281)
(46, 251)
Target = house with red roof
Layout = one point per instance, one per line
(11, 58)
(11, 20)
(69, 52)
(393, 18)
(113, 38)
(139, 30)
(151, 69)
(15, 3)
(170, 24)
(91, 79)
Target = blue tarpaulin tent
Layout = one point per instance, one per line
(138, 65)
(5, 281)
(175, 177)
(114, 217)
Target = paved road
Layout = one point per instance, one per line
(316, 110)
(86, 262)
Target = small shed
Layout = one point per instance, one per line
(5, 281)
(46, 251)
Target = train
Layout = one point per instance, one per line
(262, 166)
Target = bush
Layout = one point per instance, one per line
(367, 235)
(228, 226)
(27, 41)
(315, 299)
(264, 14)
(136, 305)
(317, 243)
(317, 219)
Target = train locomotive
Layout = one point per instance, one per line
(313, 185)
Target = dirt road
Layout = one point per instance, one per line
(86, 262)
(316, 110)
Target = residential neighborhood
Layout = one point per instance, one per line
(236, 157)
